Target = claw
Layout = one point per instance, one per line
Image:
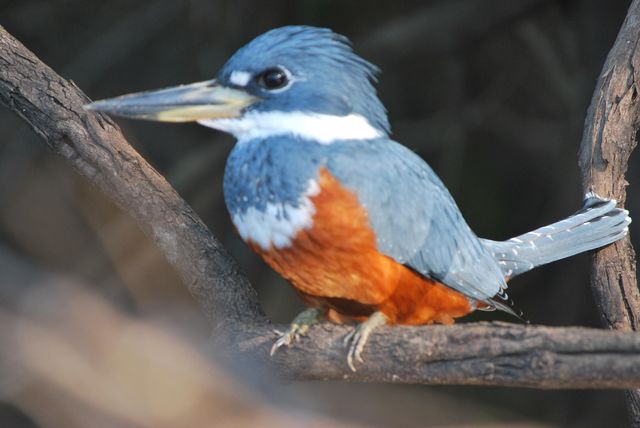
(298, 328)
(357, 338)
(286, 338)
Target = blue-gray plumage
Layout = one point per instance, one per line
(359, 224)
(597, 223)
(329, 77)
(415, 219)
(259, 172)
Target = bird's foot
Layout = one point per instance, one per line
(298, 327)
(357, 338)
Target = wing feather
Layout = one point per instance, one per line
(414, 217)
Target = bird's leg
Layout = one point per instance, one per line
(298, 327)
(359, 336)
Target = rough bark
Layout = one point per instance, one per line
(95, 147)
(487, 354)
(463, 354)
(609, 137)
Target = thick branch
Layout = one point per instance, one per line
(469, 354)
(609, 137)
(95, 147)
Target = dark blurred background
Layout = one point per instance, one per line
(491, 93)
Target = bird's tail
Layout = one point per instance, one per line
(596, 224)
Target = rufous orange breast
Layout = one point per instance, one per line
(335, 265)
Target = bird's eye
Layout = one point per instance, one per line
(273, 78)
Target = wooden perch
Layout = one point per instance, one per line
(95, 147)
(480, 354)
(462, 354)
(609, 137)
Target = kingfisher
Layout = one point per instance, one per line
(360, 225)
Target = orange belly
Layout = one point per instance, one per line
(335, 265)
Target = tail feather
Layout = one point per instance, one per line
(596, 224)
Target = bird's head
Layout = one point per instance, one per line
(298, 80)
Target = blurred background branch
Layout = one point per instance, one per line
(82, 363)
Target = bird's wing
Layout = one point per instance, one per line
(415, 219)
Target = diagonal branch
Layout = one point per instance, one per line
(487, 354)
(95, 147)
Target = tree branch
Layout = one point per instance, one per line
(609, 137)
(463, 354)
(487, 354)
(95, 147)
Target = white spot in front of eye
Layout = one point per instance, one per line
(240, 78)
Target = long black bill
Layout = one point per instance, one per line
(185, 103)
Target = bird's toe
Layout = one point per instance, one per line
(358, 337)
(298, 328)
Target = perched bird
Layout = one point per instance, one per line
(360, 225)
